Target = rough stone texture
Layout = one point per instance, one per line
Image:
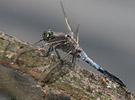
(24, 75)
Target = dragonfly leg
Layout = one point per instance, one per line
(73, 55)
(46, 75)
(73, 58)
(57, 53)
(59, 57)
(47, 53)
(49, 50)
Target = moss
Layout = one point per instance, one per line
(74, 84)
(75, 92)
(4, 54)
(105, 98)
(1, 56)
(30, 58)
(14, 57)
(1, 43)
(78, 81)
(99, 94)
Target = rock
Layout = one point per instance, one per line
(25, 75)
(18, 86)
(52, 96)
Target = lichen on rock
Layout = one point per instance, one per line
(33, 77)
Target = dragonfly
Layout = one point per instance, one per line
(69, 43)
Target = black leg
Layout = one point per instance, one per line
(73, 58)
(73, 55)
(59, 57)
(57, 53)
(48, 51)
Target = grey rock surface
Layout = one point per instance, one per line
(26, 76)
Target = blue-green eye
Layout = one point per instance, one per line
(47, 35)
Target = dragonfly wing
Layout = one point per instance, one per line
(77, 33)
(66, 20)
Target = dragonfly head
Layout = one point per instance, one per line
(47, 35)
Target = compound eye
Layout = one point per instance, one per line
(46, 36)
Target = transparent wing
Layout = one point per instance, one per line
(66, 20)
(77, 33)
